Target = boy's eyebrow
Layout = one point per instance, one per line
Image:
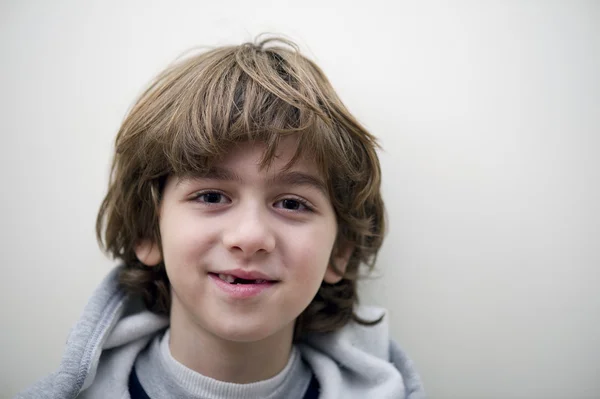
(218, 173)
(295, 178)
(292, 178)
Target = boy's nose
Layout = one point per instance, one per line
(249, 233)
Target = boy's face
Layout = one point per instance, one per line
(244, 222)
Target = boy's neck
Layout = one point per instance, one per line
(236, 362)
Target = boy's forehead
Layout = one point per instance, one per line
(255, 153)
(244, 156)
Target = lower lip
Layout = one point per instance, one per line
(241, 291)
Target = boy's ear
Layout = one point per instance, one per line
(148, 252)
(340, 260)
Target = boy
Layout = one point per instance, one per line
(243, 199)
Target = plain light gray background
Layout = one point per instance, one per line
(489, 113)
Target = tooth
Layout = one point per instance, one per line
(260, 281)
(227, 277)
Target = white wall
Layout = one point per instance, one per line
(489, 116)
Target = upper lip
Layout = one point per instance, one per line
(247, 274)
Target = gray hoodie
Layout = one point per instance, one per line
(354, 362)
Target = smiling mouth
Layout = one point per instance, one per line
(237, 280)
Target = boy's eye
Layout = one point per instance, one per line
(292, 205)
(211, 198)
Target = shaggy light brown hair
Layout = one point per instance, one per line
(190, 116)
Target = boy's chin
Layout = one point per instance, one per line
(260, 333)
